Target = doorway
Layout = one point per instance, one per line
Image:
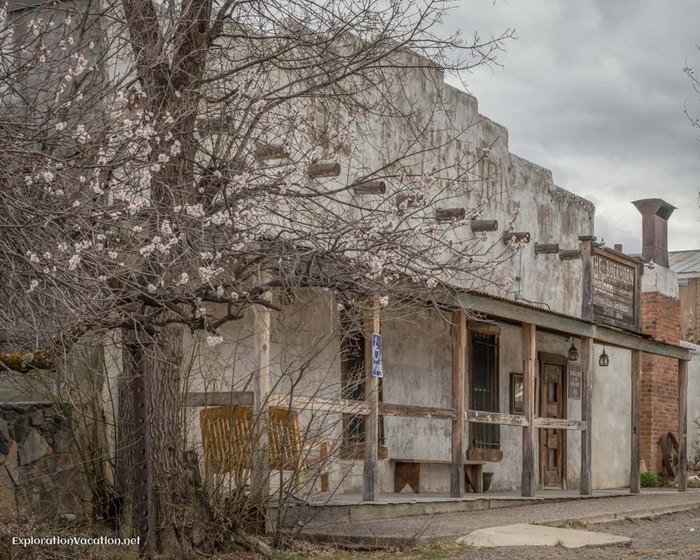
(553, 404)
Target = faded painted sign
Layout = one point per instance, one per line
(615, 286)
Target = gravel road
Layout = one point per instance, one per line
(670, 536)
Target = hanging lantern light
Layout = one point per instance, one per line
(573, 352)
(604, 360)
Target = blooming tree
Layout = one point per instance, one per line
(165, 165)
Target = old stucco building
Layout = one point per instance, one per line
(551, 274)
(547, 382)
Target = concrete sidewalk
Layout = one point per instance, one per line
(406, 530)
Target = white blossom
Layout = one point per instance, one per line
(206, 273)
(214, 340)
(73, 262)
(32, 285)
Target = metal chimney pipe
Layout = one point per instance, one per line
(655, 214)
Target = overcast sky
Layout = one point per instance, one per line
(595, 91)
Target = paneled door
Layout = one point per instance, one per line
(552, 441)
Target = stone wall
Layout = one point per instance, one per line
(40, 471)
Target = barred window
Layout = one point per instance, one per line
(484, 388)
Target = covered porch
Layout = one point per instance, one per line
(525, 319)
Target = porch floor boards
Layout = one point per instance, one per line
(429, 497)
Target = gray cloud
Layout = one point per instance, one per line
(596, 92)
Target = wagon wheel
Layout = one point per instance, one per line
(669, 449)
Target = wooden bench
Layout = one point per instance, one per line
(407, 471)
(227, 439)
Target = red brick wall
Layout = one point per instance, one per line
(661, 319)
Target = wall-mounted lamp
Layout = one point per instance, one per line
(573, 352)
(603, 360)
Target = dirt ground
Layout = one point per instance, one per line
(669, 536)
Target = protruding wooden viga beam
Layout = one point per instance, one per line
(459, 348)
(319, 170)
(370, 187)
(528, 479)
(265, 152)
(484, 225)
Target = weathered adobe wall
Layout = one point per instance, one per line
(506, 183)
(464, 144)
(304, 353)
(660, 319)
(40, 471)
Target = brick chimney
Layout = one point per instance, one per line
(655, 214)
(661, 313)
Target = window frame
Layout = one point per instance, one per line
(494, 453)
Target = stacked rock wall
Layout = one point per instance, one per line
(40, 471)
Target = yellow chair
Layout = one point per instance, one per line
(227, 437)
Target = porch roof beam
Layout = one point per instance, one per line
(546, 321)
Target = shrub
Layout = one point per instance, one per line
(650, 480)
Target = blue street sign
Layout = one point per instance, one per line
(377, 355)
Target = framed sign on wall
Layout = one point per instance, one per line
(575, 381)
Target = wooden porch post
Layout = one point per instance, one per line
(586, 483)
(636, 423)
(370, 473)
(528, 478)
(459, 344)
(683, 425)
(260, 475)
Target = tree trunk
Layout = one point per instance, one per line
(176, 506)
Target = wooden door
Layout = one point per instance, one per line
(552, 441)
